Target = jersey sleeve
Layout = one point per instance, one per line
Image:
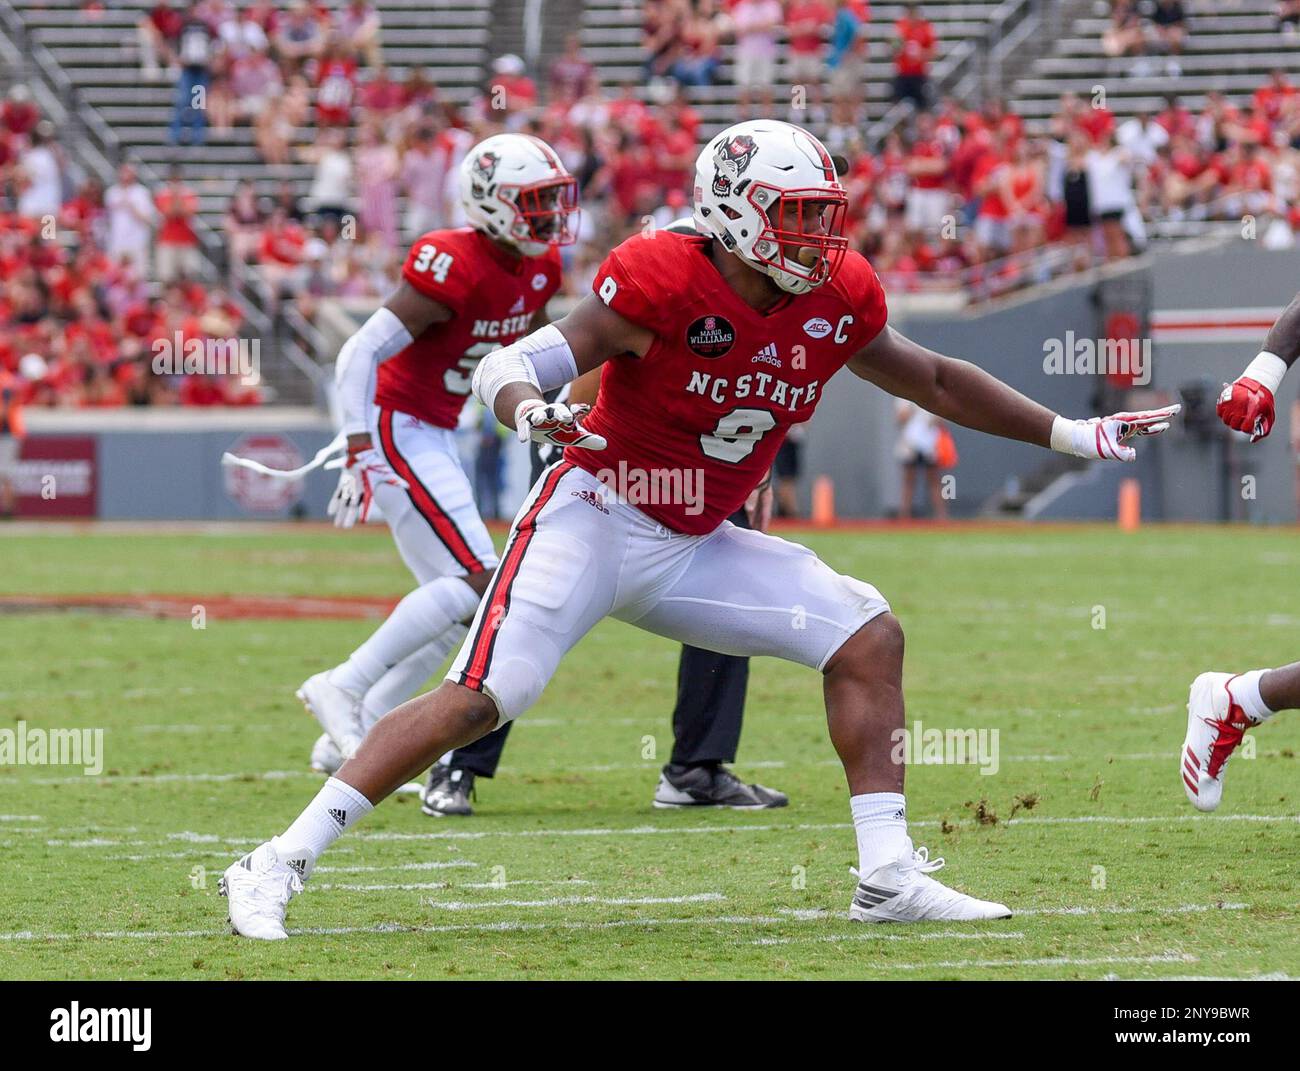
(439, 268)
(628, 282)
(865, 297)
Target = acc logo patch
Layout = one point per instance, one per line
(817, 327)
(539, 281)
(710, 336)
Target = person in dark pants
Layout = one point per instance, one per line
(706, 728)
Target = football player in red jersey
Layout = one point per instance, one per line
(712, 346)
(1222, 706)
(403, 379)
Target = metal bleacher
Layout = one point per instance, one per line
(1230, 48)
(98, 55)
(611, 37)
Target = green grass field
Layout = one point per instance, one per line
(566, 871)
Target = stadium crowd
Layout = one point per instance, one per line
(94, 280)
(957, 197)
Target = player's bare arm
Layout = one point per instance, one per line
(1247, 404)
(959, 391)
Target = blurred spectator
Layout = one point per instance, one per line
(572, 74)
(158, 34)
(1288, 16)
(423, 180)
(336, 83)
(358, 25)
(244, 220)
(698, 49)
(846, 58)
(928, 199)
(177, 242)
(19, 114)
(194, 51)
(377, 167)
(298, 36)
(332, 183)
(755, 23)
(243, 36)
(807, 24)
(1170, 21)
(914, 47)
(1125, 35)
(510, 91)
(917, 453)
(40, 175)
(1111, 195)
(130, 220)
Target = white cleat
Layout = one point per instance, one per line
(903, 891)
(259, 887)
(1215, 726)
(338, 711)
(326, 758)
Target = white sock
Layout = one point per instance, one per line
(428, 611)
(1245, 689)
(401, 682)
(880, 821)
(337, 806)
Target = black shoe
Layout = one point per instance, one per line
(712, 786)
(447, 792)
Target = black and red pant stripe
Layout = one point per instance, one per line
(497, 601)
(440, 522)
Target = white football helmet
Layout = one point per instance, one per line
(769, 192)
(513, 187)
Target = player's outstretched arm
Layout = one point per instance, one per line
(511, 381)
(959, 391)
(389, 330)
(1246, 404)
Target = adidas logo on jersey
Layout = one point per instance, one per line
(518, 306)
(767, 355)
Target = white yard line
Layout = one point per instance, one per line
(641, 831)
(567, 901)
(875, 933)
(1050, 961)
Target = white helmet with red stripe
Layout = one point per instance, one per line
(514, 188)
(769, 192)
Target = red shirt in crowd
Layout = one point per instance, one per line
(917, 41)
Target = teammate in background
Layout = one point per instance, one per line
(403, 379)
(711, 347)
(1222, 706)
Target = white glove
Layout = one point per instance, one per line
(553, 422)
(360, 474)
(1104, 437)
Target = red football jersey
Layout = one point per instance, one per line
(492, 297)
(722, 383)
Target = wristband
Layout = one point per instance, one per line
(1267, 369)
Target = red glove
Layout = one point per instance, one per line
(1246, 405)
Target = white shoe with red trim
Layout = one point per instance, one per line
(1215, 727)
